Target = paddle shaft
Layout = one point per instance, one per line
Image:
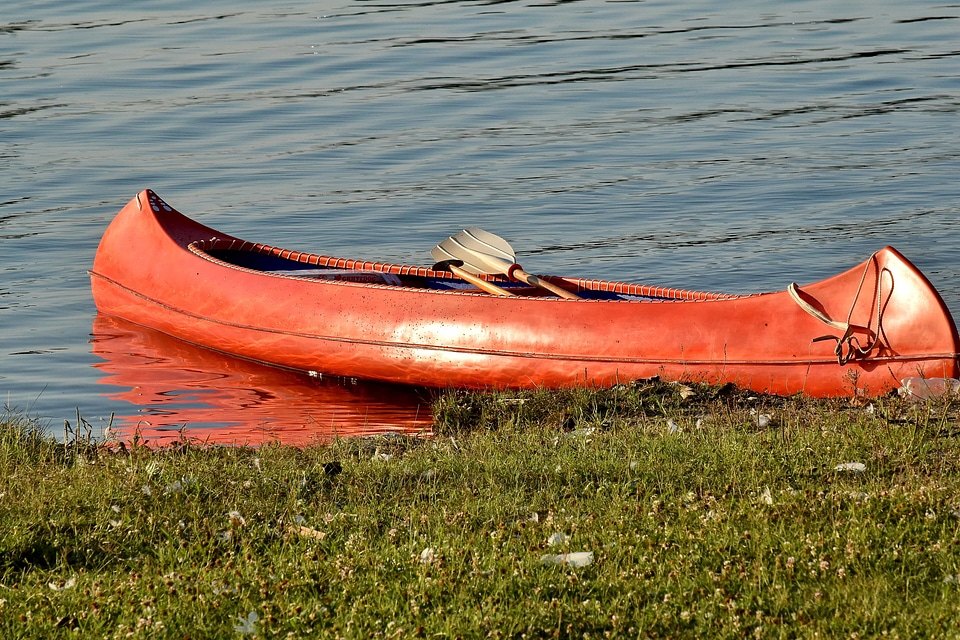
(489, 287)
(518, 273)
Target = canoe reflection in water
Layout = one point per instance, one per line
(209, 397)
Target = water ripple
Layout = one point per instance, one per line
(733, 146)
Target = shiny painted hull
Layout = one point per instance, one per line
(859, 332)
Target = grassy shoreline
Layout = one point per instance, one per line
(696, 511)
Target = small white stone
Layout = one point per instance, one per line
(853, 467)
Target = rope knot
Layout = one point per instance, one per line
(848, 345)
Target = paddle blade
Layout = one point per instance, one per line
(495, 245)
(479, 250)
(445, 252)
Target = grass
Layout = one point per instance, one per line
(707, 511)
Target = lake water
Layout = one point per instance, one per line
(718, 146)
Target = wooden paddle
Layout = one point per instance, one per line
(454, 266)
(483, 252)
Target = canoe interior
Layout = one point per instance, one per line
(312, 266)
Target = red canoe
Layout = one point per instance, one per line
(859, 332)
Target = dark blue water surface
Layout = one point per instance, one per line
(720, 146)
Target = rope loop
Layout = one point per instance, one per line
(848, 345)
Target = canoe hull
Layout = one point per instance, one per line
(151, 269)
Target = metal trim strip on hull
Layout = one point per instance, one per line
(519, 354)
